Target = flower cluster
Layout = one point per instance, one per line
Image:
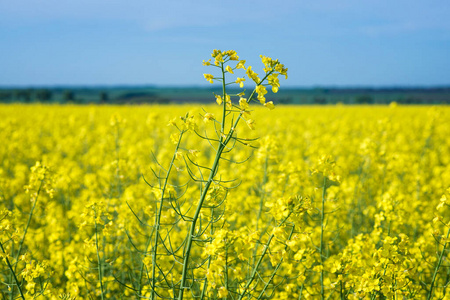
(272, 68)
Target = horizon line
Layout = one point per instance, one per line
(198, 86)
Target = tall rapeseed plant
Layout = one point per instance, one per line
(178, 267)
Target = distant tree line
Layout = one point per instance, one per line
(73, 96)
(164, 96)
(25, 95)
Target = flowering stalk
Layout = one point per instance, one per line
(221, 58)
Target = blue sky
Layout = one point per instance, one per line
(323, 43)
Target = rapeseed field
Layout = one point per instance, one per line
(173, 202)
(365, 190)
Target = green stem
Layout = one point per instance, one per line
(276, 268)
(255, 269)
(301, 292)
(158, 217)
(321, 249)
(195, 218)
(209, 258)
(441, 255)
(226, 268)
(224, 104)
(206, 281)
(249, 282)
(261, 204)
(263, 192)
(141, 272)
(214, 168)
(12, 272)
(99, 263)
(28, 223)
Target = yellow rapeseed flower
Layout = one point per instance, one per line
(251, 124)
(218, 99)
(241, 64)
(243, 103)
(269, 105)
(209, 77)
(240, 81)
(208, 117)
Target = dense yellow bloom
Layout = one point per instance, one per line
(274, 82)
(261, 91)
(232, 55)
(218, 59)
(267, 61)
(223, 293)
(281, 69)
